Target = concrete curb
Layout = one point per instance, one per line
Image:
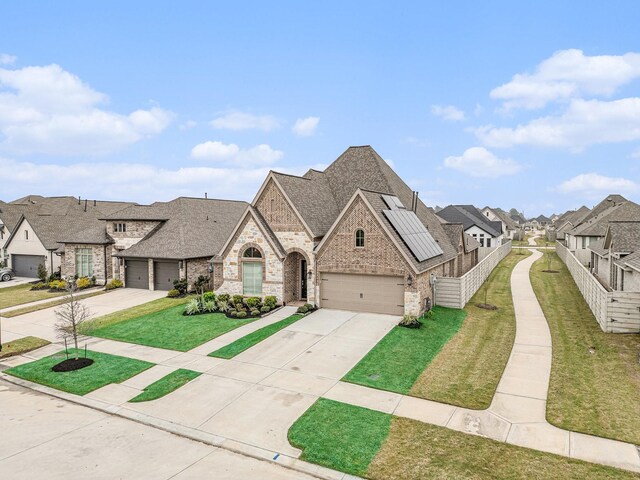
(213, 440)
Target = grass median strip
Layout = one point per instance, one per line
(42, 306)
(397, 361)
(22, 345)
(106, 369)
(377, 445)
(595, 377)
(248, 341)
(166, 385)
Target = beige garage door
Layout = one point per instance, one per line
(362, 293)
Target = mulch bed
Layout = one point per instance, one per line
(72, 364)
(486, 306)
(551, 271)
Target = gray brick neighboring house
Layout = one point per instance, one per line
(150, 246)
(327, 238)
(615, 258)
(42, 226)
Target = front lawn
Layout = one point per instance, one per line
(467, 370)
(22, 345)
(52, 303)
(106, 369)
(400, 357)
(248, 341)
(596, 393)
(377, 445)
(12, 296)
(168, 329)
(166, 385)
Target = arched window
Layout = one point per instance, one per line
(359, 238)
(252, 252)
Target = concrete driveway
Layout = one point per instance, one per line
(16, 281)
(45, 437)
(41, 323)
(257, 396)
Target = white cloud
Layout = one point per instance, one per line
(480, 162)
(305, 127)
(594, 185)
(584, 123)
(245, 121)
(635, 155)
(231, 153)
(448, 112)
(568, 74)
(189, 124)
(6, 59)
(50, 111)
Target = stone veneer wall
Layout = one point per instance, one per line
(102, 275)
(272, 280)
(136, 231)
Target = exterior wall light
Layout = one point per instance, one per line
(310, 274)
(409, 280)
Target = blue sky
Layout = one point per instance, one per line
(529, 106)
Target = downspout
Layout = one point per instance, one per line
(105, 264)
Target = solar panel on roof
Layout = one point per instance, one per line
(393, 202)
(414, 234)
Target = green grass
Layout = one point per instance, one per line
(20, 294)
(169, 329)
(377, 445)
(166, 385)
(340, 436)
(467, 370)
(22, 345)
(595, 393)
(42, 306)
(106, 369)
(248, 341)
(397, 361)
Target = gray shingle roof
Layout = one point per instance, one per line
(195, 228)
(504, 216)
(596, 225)
(623, 236)
(598, 247)
(632, 261)
(468, 215)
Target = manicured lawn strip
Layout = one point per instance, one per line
(467, 370)
(377, 445)
(42, 306)
(131, 313)
(595, 393)
(398, 359)
(170, 329)
(12, 296)
(248, 341)
(22, 345)
(340, 436)
(106, 369)
(166, 385)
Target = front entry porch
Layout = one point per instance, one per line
(295, 279)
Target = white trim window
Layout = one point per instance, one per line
(84, 262)
(119, 227)
(252, 278)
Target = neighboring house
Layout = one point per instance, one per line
(517, 217)
(43, 222)
(542, 220)
(509, 226)
(594, 226)
(612, 260)
(151, 246)
(487, 232)
(568, 220)
(353, 236)
(9, 216)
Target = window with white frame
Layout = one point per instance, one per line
(488, 242)
(84, 262)
(359, 238)
(120, 227)
(252, 278)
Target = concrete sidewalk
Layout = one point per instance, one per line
(517, 414)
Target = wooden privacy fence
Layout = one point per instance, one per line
(456, 292)
(616, 312)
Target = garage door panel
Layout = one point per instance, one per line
(165, 273)
(362, 293)
(27, 265)
(137, 274)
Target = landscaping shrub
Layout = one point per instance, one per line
(181, 285)
(255, 312)
(192, 307)
(208, 297)
(253, 302)
(40, 286)
(302, 309)
(237, 299)
(202, 283)
(242, 314)
(173, 293)
(83, 282)
(265, 309)
(57, 285)
(270, 301)
(223, 305)
(233, 313)
(410, 321)
(224, 297)
(113, 284)
(42, 272)
(240, 307)
(209, 306)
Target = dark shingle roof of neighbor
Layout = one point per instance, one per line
(632, 261)
(598, 247)
(609, 202)
(596, 225)
(469, 216)
(625, 236)
(542, 219)
(504, 216)
(195, 228)
(455, 231)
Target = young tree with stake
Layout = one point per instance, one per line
(71, 314)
